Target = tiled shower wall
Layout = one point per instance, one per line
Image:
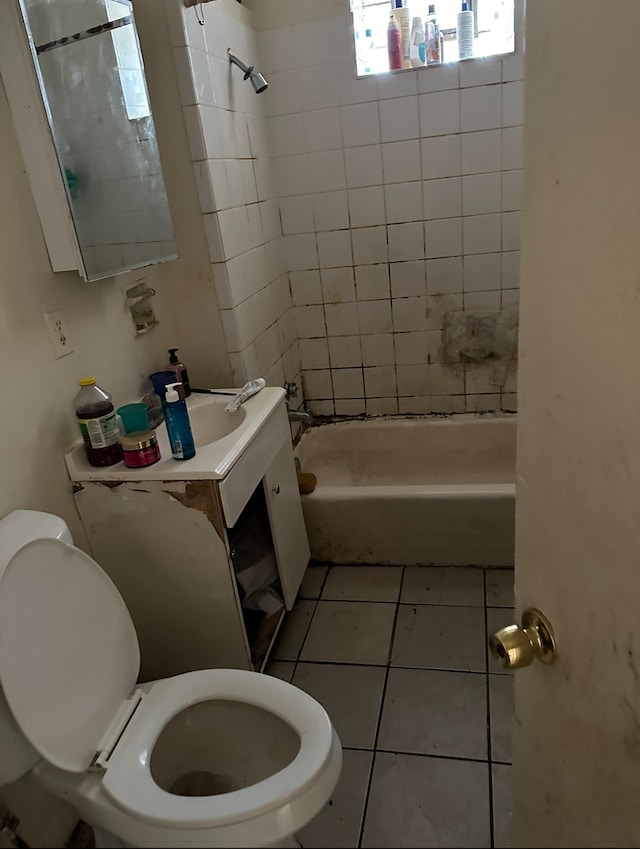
(227, 131)
(400, 200)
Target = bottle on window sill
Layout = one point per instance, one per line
(418, 51)
(433, 38)
(394, 45)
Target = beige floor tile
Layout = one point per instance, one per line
(435, 713)
(500, 587)
(350, 632)
(498, 617)
(312, 581)
(502, 806)
(293, 631)
(451, 585)
(363, 583)
(443, 637)
(502, 708)
(351, 695)
(422, 802)
(338, 823)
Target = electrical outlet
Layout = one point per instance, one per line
(57, 324)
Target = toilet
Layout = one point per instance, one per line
(218, 757)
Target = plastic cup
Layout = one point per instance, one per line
(160, 380)
(134, 417)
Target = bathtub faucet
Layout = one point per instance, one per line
(300, 416)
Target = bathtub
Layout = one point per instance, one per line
(428, 490)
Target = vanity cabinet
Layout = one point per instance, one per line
(174, 549)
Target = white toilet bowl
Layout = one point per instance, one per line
(219, 757)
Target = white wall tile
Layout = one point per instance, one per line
(396, 85)
(350, 407)
(477, 72)
(338, 285)
(317, 384)
(403, 202)
(488, 403)
(323, 129)
(442, 198)
(288, 135)
(369, 245)
(438, 78)
(382, 406)
(364, 166)
(399, 119)
(372, 282)
(360, 124)
(297, 215)
(511, 190)
(443, 237)
(345, 351)
(327, 171)
(445, 380)
(301, 252)
(440, 157)
(481, 193)
(440, 113)
(489, 300)
(292, 175)
(331, 210)
(380, 381)
(413, 380)
(347, 382)
(341, 319)
(512, 148)
(401, 161)
(510, 269)
(411, 348)
(481, 107)
(444, 275)
(481, 152)
(409, 314)
(513, 67)
(334, 249)
(481, 234)
(438, 306)
(406, 241)
(367, 206)
(447, 404)
(310, 321)
(513, 104)
(314, 353)
(378, 349)
(418, 404)
(375, 316)
(319, 408)
(482, 272)
(511, 231)
(408, 279)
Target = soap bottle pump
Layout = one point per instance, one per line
(176, 418)
(180, 370)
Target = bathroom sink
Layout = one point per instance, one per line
(221, 440)
(209, 422)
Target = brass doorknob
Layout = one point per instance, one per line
(514, 647)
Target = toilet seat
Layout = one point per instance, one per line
(130, 784)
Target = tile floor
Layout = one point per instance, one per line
(398, 657)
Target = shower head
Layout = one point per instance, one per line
(258, 82)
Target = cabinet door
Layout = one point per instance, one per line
(287, 522)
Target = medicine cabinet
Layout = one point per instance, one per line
(74, 78)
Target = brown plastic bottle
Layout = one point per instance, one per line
(180, 369)
(98, 424)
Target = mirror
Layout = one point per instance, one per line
(91, 76)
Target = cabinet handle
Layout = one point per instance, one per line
(276, 489)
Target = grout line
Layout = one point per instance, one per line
(380, 711)
(384, 666)
(488, 692)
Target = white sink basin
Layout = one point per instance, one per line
(209, 422)
(221, 438)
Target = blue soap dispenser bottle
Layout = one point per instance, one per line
(176, 418)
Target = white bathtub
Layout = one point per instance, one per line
(426, 490)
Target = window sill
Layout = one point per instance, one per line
(471, 61)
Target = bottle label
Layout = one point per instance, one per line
(100, 432)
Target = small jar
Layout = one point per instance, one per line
(140, 449)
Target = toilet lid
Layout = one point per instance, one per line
(69, 654)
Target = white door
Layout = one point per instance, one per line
(577, 731)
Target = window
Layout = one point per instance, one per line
(494, 29)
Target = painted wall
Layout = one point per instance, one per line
(37, 422)
(400, 204)
(232, 163)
